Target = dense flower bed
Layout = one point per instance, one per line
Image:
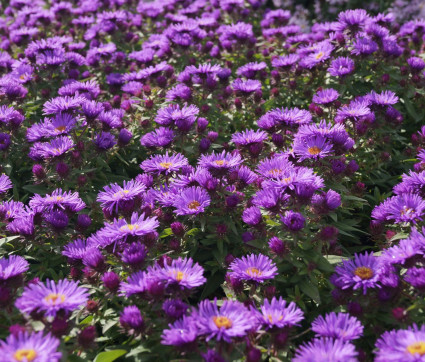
(210, 180)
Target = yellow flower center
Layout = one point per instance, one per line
(222, 322)
(253, 271)
(406, 211)
(130, 227)
(25, 354)
(416, 348)
(55, 298)
(121, 193)
(314, 150)
(319, 55)
(363, 272)
(179, 276)
(220, 162)
(22, 77)
(194, 205)
(275, 172)
(166, 165)
(270, 317)
(60, 128)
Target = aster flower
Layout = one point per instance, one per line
(415, 277)
(132, 319)
(56, 147)
(30, 347)
(12, 266)
(363, 272)
(75, 250)
(405, 208)
(138, 226)
(257, 268)
(364, 46)
(294, 221)
(326, 96)
(286, 61)
(249, 137)
(352, 19)
(319, 53)
(164, 163)
(5, 183)
(57, 200)
(341, 66)
(115, 197)
(182, 272)
(416, 64)
(134, 254)
(354, 111)
(401, 345)
(405, 250)
(220, 163)
(62, 104)
(246, 87)
(137, 283)
(52, 297)
(191, 201)
(290, 116)
(385, 98)
(104, 141)
(250, 70)
(161, 137)
(339, 326)
(182, 117)
(181, 332)
(315, 148)
(233, 319)
(277, 313)
(326, 349)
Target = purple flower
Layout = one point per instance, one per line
(249, 137)
(191, 201)
(183, 118)
(174, 308)
(277, 313)
(164, 163)
(181, 332)
(326, 349)
(364, 46)
(401, 208)
(5, 183)
(405, 250)
(220, 163)
(116, 198)
(137, 283)
(51, 297)
(341, 66)
(320, 52)
(161, 137)
(415, 277)
(252, 216)
(57, 200)
(257, 268)
(339, 326)
(401, 345)
(55, 148)
(181, 272)
(131, 319)
(134, 254)
(326, 96)
(250, 70)
(30, 347)
(246, 87)
(104, 141)
(352, 19)
(312, 148)
(385, 98)
(294, 221)
(416, 64)
(12, 266)
(233, 319)
(62, 104)
(363, 272)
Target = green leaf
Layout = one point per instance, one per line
(36, 189)
(8, 239)
(110, 356)
(310, 290)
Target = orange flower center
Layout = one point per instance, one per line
(130, 227)
(55, 298)
(60, 128)
(222, 322)
(406, 211)
(220, 162)
(314, 150)
(320, 55)
(416, 348)
(166, 165)
(253, 271)
(194, 205)
(179, 276)
(25, 354)
(363, 272)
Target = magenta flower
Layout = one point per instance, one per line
(164, 163)
(257, 268)
(280, 314)
(191, 201)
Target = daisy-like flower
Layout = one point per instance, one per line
(75, 250)
(56, 147)
(415, 277)
(115, 197)
(401, 345)
(5, 183)
(326, 350)
(26, 347)
(52, 297)
(62, 104)
(338, 325)
(321, 52)
(290, 116)
(285, 62)
(137, 227)
(161, 137)
(246, 87)
(405, 208)
(314, 148)
(385, 98)
(220, 163)
(405, 250)
(279, 314)
(12, 266)
(249, 137)
(181, 332)
(164, 163)
(57, 200)
(257, 268)
(191, 201)
(136, 283)
(352, 19)
(363, 272)
(233, 319)
(173, 114)
(341, 66)
(326, 96)
(182, 272)
(251, 69)
(353, 111)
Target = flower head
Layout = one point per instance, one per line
(257, 268)
(325, 350)
(191, 201)
(280, 314)
(339, 326)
